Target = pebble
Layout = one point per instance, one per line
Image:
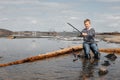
(102, 71)
(106, 63)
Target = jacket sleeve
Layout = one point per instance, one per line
(92, 33)
(83, 31)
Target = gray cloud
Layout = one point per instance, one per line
(115, 7)
(108, 0)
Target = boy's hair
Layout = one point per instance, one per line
(87, 20)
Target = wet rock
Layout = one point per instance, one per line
(102, 71)
(1, 57)
(111, 56)
(80, 56)
(75, 59)
(106, 63)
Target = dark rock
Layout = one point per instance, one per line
(75, 59)
(80, 56)
(1, 57)
(106, 63)
(102, 71)
(111, 56)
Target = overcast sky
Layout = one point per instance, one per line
(52, 15)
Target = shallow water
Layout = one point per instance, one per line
(58, 68)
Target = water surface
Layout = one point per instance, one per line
(58, 68)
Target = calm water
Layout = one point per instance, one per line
(58, 68)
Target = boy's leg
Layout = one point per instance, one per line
(86, 48)
(95, 50)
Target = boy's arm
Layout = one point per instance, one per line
(92, 33)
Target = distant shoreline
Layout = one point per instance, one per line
(113, 37)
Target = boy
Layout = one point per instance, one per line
(88, 34)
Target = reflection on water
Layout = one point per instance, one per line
(58, 68)
(88, 67)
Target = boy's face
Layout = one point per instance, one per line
(87, 24)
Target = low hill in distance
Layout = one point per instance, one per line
(5, 32)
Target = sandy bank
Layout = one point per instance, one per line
(109, 38)
(114, 39)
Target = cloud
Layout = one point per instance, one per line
(18, 1)
(115, 7)
(109, 16)
(40, 3)
(34, 22)
(114, 25)
(108, 21)
(74, 18)
(108, 0)
(3, 19)
(114, 17)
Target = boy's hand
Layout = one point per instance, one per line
(84, 34)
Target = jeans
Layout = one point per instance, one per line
(90, 46)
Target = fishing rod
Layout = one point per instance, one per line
(74, 28)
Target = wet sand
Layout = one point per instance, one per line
(114, 39)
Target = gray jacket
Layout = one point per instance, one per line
(91, 35)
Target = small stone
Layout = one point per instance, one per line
(80, 56)
(106, 63)
(102, 71)
(75, 60)
(111, 56)
(0, 56)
